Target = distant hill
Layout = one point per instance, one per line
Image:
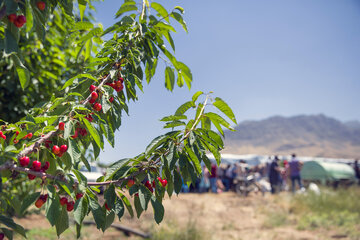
(306, 135)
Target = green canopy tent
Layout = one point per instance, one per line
(326, 172)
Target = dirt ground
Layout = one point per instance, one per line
(219, 216)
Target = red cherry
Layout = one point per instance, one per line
(63, 201)
(97, 107)
(56, 149)
(29, 136)
(12, 17)
(153, 184)
(24, 161)
(130, 183)
(39, 202)
(36, 165)
(15, 141)
(17, 133)
(92, 88)
(31, 177)
(112, 85)
(159, 178)
(164, 182)
(44, 197)
(91, 101)
(89, 118)
(61, 126)
(41, 5)
(79, 195)
(83, 132)
(107, 207)
(121, 79)
(118, 83)
(63, 148)
(46, 166)
(118, 89)
(20, 21)
(2, 236)
(94, 95)
(111, 99)
(70, 206)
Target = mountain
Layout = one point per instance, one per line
(305, 135)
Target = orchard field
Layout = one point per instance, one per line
(332, 215)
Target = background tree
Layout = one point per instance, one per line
(46, 146)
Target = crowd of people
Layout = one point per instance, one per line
(281, 174)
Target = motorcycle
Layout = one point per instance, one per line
(246, 184)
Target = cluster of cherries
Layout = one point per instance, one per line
(2, 135)
(36, 166)
(20, 20)
(147, 184)
(117, 85)
(63, 201)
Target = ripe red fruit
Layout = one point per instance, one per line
(111, 99)
(31, 177)
(29, 136)
(118, 89)
(12, 17)
(121, 79)
(94, 95)
(92, 88)
(40, 5)
(3, 136)
(20, 21)
(15, 141)
(91, 101)
(97, 107)
(56, 149)
(24, 161)
(79, 195)
(61, 126)
(2, 236)
(63, 148)
(36, 165)
(17, 133)
(112, 85)
(63, 201)
(39, 203)
(46, 166)
(107, 207)
(118, 83)
(164, 182)
(130, 183)
(70, 206)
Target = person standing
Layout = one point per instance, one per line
(295, 168)
(274, 175)
(213, 178)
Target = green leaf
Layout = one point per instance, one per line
(62, 222)
(161, 10)
(169, 78)
(24, 76)
(11, 45)
(194, 159)
(177, 181)
(53, 209)
(196, 96)
(180, 9)
(156, 143)
(110, 216)
(138, 207)
(184, 107)
(185, 72)
(215, 118)
(98, 213)
(82, 26)
(73, 150)
(144, 196)
(115, 167)
(93, 132)
(81, 209)
(11, 224)
(71, 80)
(224, 108)
(119, 208)
(173, 118)
(127, 204)
(28, 201)
(158, 210)
(110, 196)
(180, 19)
(29, 17)
(126, 7)
(82, 7)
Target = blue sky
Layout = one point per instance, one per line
(264, 58)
